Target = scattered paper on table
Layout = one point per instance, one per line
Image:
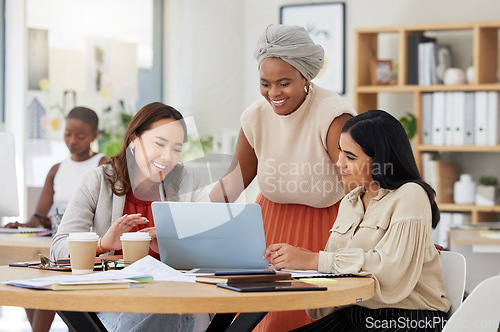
(146, 269)
(160, 271)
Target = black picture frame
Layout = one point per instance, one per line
(325, 23)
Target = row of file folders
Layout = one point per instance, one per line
(460, 118)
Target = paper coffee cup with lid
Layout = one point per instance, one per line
(82, 251)
(135, 245)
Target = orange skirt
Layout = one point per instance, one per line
(301, 226)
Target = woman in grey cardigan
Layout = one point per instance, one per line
(116, 198)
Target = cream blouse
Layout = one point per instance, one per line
(392, 242)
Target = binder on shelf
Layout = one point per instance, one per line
(431, 58)
(492, 119)
(481, 111)
(420, 66)
(427, 118)
(449, 115)
(458, 118)
(469, 119)
(413, 62)
(425, 62)
(438, 118)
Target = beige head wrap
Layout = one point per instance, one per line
(292, 44)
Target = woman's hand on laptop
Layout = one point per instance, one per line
(285, 256)
(154, 243)
(111, 240)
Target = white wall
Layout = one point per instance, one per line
(204, 61)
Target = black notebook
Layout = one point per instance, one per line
(277, 286)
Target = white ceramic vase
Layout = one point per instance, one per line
(454, 76)
(469, 74)
(464, 190)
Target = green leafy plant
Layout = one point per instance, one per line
(488, 180)
(409, 124)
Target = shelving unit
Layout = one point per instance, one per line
(484, 60)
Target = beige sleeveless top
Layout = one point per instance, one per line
(293, 162)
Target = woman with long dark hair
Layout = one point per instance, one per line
(383, 230)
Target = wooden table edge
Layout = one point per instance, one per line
(179, 297)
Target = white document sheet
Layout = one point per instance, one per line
(145, 267)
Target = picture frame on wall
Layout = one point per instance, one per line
(325, 23)
(381, 72)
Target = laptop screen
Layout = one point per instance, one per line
(210, 235)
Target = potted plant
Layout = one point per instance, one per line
(409, 124)
(112, 127)
(486, 191)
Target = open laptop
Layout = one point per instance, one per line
(219, 236)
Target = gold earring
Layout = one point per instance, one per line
(308, 88)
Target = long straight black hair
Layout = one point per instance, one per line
(383, 138)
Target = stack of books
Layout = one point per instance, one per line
(243, 278)
(427, 60)
(269, 281)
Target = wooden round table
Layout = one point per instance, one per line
(177, 297)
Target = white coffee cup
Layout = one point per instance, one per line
(135, 246)
(82, 251)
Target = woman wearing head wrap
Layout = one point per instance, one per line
(290, 140)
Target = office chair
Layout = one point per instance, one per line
(454, 278)
(480, 310)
